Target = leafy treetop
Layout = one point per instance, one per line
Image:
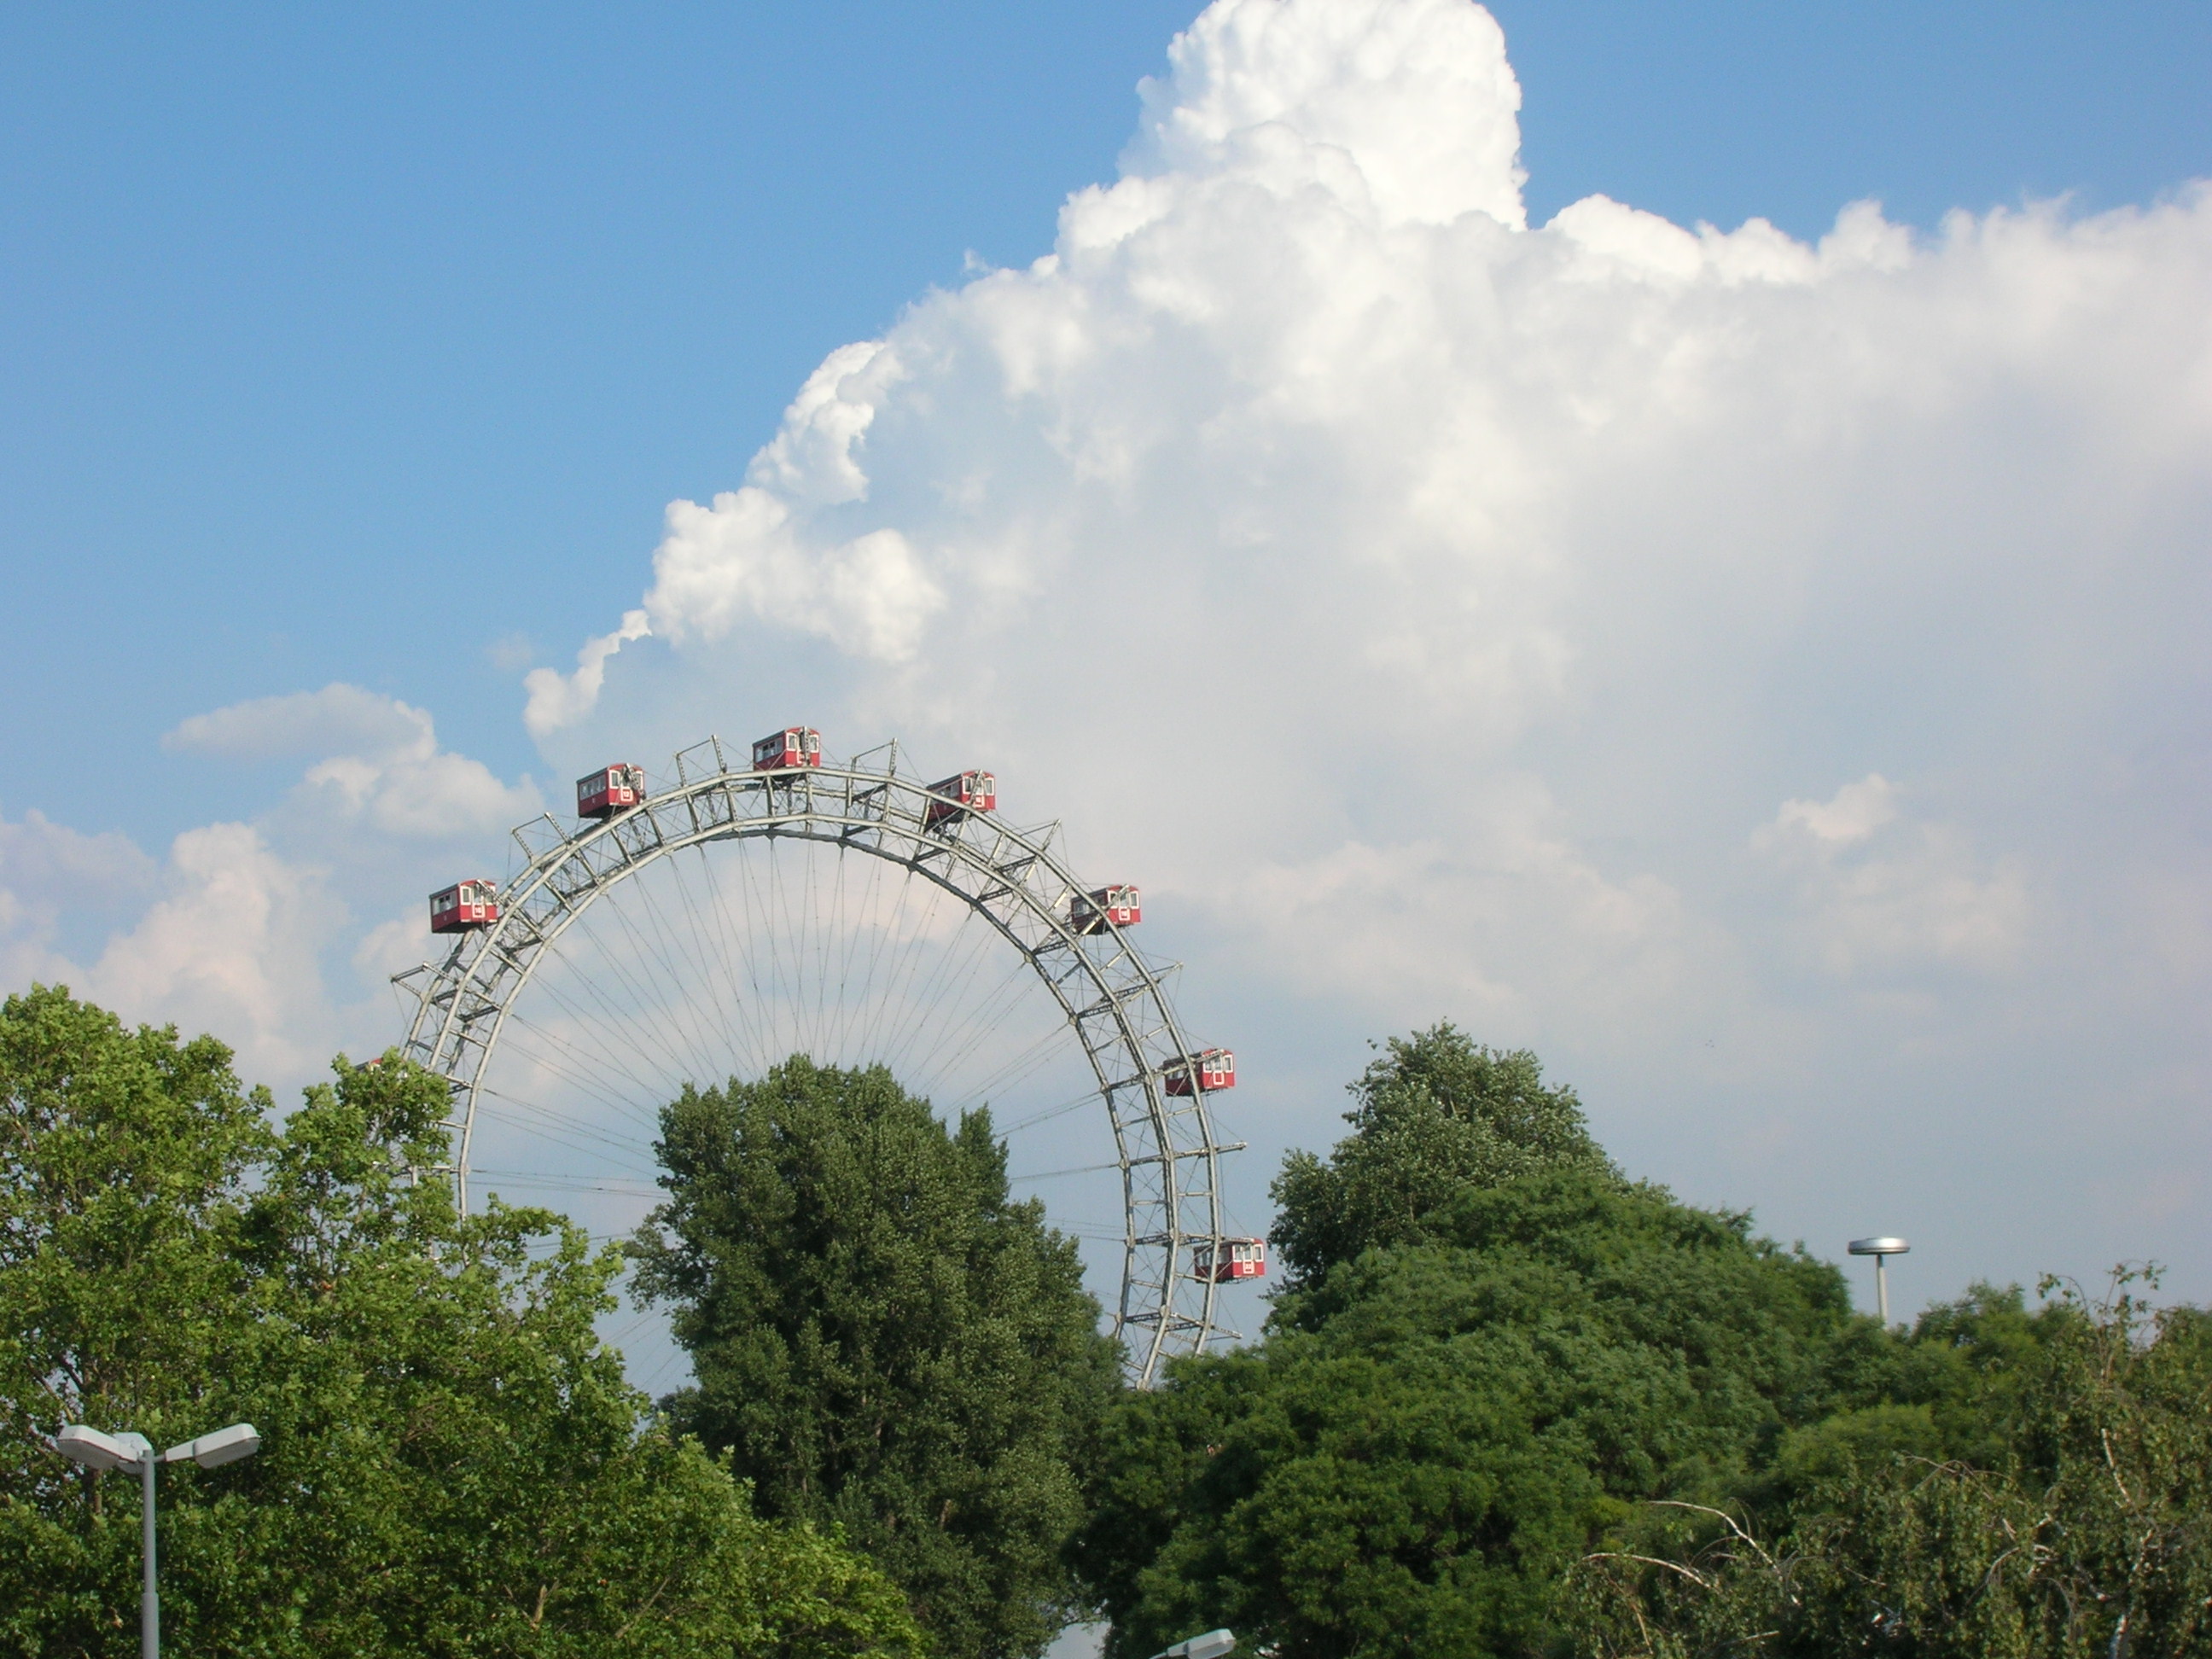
(452, 1462)
(1437, 1114)
(884, 1340)
(2040, 1485)
(1430, 1434)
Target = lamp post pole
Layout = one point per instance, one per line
(1881, 1249)
(134, 1453)
(150, 1597)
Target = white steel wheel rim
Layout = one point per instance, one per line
(1109, 995)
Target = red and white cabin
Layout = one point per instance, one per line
(609, 790)
(1202, 1073)
(463, 906)
(1222, 1260)
(959, 796)
(795, 745)
(1118, 904)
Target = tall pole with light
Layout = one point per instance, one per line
(1881, 1249)
(133, 1454)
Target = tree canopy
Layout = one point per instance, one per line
(1436, 1113)
(452, 1461)
(2030, 1484)
(1512, 1403)
(882, 1339)
(1430, 1434)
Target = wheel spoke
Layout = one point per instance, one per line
(735, 919)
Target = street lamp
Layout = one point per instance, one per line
(1881, 1249)
(1212, 1645)
(134, 1453)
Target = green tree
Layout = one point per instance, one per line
(1955, 1390)
(882, 1338)
(1433, 1432)
(453, 1464)
(1436, 1113)
(2088, 1532)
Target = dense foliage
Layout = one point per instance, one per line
(1512, 1404)
(1508, 1403)
(1432, 1434)
(882, 1339)
(1436, 1113)
(2038, 1485)
(453, 1464)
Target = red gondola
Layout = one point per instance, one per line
(959, 796)
(1090, 912)
(1235, 1258)
(793, 746)
(1202, 1073)
(463, 906)
(609, 790)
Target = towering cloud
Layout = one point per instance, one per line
(1769, 675)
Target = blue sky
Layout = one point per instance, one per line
(1837, 823)
(341, 346)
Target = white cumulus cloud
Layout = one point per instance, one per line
(556, 699)
(49, 871)
(1766, 675)
(338, 718)
(1879, 891)
(1439, 607)
(223, 935)
(232, 946)
(376, 761)
(252, 930)
(1308, 82)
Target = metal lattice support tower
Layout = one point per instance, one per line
(1110, 996)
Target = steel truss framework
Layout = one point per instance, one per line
(1109, 994)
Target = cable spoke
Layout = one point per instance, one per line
(756, 922)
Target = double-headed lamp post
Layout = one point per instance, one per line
(134, 1453)
(1881, 1249)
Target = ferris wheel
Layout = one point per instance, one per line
(706, 925)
